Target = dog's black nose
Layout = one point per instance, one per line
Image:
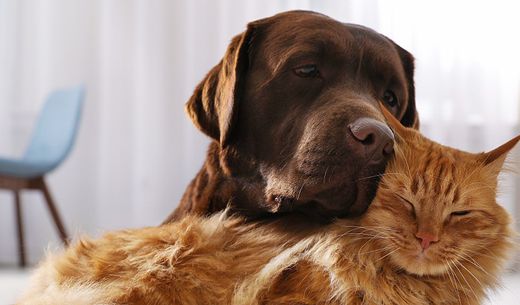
(373, 138)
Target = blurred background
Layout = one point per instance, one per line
(140, 60)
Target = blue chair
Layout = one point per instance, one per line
(51, 142)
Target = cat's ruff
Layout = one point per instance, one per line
(195, 262)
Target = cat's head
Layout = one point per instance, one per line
(436, 207)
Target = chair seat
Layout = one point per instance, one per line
(24, 168)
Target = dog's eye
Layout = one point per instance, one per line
(390, 98)
(460, 213)
(307, 71)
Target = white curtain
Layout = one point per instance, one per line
(140, 60)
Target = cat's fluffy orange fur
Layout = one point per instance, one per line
(433, 235)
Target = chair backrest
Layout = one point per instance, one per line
(56, 128)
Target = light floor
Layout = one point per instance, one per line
(13, 281)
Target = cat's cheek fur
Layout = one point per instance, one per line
(404, 250)
(421, 265)
(397, 228)
(461, 240)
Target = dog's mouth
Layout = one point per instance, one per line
(366, 186)
(325, 202)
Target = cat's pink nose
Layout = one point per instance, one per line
(426, 239)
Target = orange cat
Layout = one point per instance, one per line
(433, 235)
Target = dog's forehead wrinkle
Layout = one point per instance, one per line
(305, 29)
(280, 51)
(360, 64)
(362, 48)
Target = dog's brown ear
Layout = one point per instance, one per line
(410, 117)
(213, 105)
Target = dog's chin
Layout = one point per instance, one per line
(345, 198)
(366, 186)
(347, 193)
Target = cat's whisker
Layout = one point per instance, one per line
(480, 252)
(367, 242)
(452, 277)
(360, 235)
(382, 175)
(363, 246)
(371, 228)
(366, 228)
(465, 289)
(494, 233)
(469, 271)
(388, 248)
(367, 237)
(388, 254)
(370, 177)
(460, 287)
(365, 231)
(407, 166)
(469, 259)
(477, 265)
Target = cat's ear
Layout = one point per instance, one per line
(495, 158)
(394, 123)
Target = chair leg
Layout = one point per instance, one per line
(19, 225)
(54, 213)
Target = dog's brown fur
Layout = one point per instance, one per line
(280, 142)
(374, 259)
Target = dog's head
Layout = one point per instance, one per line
(294, 103)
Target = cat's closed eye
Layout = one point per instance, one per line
(409, 204)
(460, 213)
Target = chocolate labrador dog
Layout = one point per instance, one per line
(293, 112)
